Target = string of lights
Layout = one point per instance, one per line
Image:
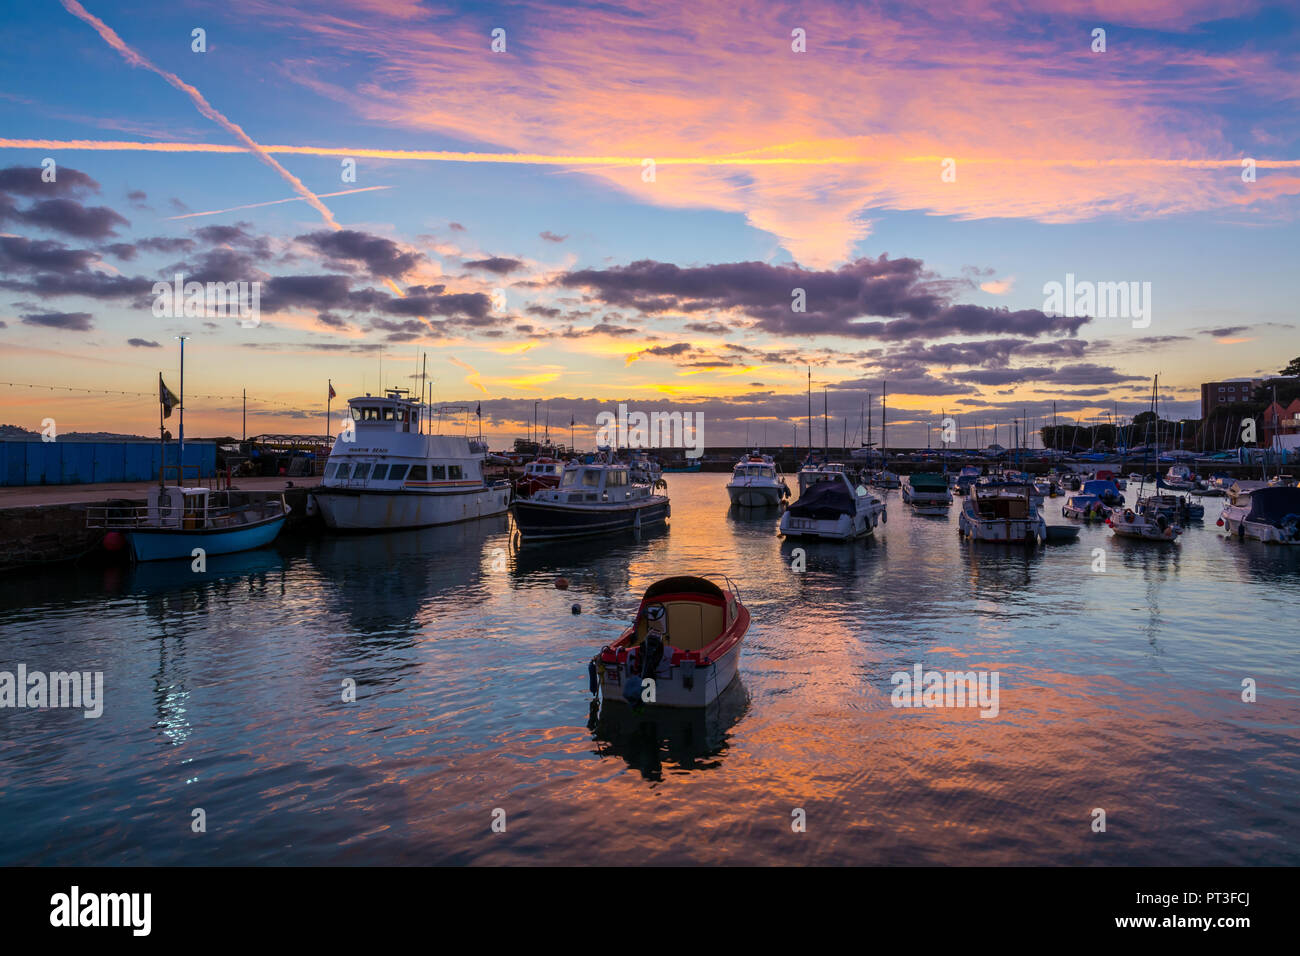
(106, 391)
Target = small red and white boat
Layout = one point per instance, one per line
(539, 474)
(682, 651)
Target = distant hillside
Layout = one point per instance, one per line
(18, 433)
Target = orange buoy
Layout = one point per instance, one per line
(562, 583)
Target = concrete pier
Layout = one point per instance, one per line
(46, 524)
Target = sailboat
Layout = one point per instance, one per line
(885, 478)
(1147, 520)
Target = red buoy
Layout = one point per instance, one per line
(114, 541)
(562, 583)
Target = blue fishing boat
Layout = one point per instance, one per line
(174, 522)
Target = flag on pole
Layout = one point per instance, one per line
(333, 394)
(167, 397)
(479, 410)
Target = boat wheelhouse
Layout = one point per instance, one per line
(830, 506)
(1271, 515)
(596, 498)
(174, 522)
(1002, 513)
(682, 650)
(756, 482)
(387, 471)
(1178, 508)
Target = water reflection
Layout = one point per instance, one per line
(687, 739)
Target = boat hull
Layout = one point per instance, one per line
(165, 544)
(846, 527)
(536, 519)
(359, 510)
(707, 683)
(1236, 524)
(1026, 531)
(754, 496)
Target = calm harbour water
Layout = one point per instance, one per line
(1119, 691)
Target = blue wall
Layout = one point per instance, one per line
(74, 463)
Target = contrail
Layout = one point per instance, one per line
(275, 202)
(203, 106)
(543, 159)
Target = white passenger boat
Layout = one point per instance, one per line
(596, 498)
(830, 506)
(682, 650)
(1179, 478)
(756, 482)
(1001, 513)
(1270, 514)
(384, 473)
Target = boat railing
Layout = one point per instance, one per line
(234, 509)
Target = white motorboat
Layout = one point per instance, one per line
(830, 506)
(756, 482)
(1001, 513)
(928, 493)
(1149, 525)
(1085, 507)
(384, 473)
(683, 649)
(1270, 514)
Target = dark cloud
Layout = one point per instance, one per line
(1226, 332)
(71, 321)
(381, 257)
(19, 254)
(551, 237)
(143, 344)
(916, 303)
(456, 227)
(26, 181)
(495, 264)
(70, 218)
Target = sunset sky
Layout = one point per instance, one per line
(501, 220)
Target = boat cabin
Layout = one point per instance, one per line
(594, 484)
(755, 468)
(698, 612)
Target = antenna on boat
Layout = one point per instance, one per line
(424, 366)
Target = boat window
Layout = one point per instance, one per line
(418, 473)
(437, 472)
(453, 472)
(616, 478)
(356, 414)
(390, 414)
(381, 471)
(591, 478)
(397, 472)
(361, 471)
(570, 478)
(344, 469)
(330, 469)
